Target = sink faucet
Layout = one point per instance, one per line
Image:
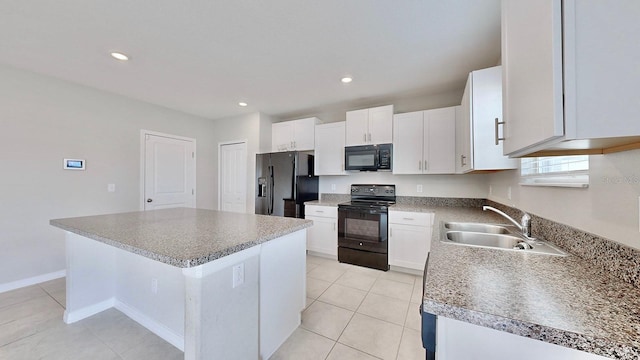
(524, 226)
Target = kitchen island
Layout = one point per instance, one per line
(216, 285)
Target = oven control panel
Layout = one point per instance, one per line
(368, 191)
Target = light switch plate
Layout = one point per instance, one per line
(509, 193)
(238, 275)
(419, 188)
(111, 187)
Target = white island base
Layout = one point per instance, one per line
(241, 306)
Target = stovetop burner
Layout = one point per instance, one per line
(371, 196)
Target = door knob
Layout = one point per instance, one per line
(149, 200)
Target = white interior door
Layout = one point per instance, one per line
(169, 172)
(233, 177)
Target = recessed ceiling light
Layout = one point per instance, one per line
(346, 79)
(242, 104)
(119, 56)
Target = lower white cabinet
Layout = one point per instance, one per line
(322, 237)
(484, 343)
(409, 239)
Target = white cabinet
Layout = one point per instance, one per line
(409, 238)
(476, 147)
(424, 142)
(495, 344)
(329, 153)
(293, 135)
(369, 126)
(322, 237)
(570, 76)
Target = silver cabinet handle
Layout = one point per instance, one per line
(364, 137)
(334, 226)
(497, 123)
(410, 219)
(390, 232)
(425, 165)
(369, 136)
(462, 162)
(419, 164)
(295, 144)
(319, 211)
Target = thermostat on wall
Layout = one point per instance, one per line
(74, 164)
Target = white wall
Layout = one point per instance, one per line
(401, 104)
(42, 121)
(609, 207)
(459, 186)
(255, 129)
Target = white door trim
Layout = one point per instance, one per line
(143, 134)
(220, 145)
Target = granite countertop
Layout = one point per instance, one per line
(331, 202)
(560, 300)
(182, 237)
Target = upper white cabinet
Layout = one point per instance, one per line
(329, 154)
(570, 76)
(293, 135)
(477, 124)
(424, 142)
(369, 126)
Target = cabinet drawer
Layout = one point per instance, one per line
(410, 218)
(321, 211)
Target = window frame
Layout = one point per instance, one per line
(562, 176)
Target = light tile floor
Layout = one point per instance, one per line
(352, 313)
(357, 313)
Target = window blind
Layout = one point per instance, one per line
(566, 171)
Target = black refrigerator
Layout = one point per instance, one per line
(284, 181)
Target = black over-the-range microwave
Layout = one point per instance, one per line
(368, 157)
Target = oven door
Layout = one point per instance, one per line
(362, 229)
(362, 158)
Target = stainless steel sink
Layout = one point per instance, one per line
(494, 236)
(488, 240)
(476, 227)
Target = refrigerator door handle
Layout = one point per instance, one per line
(271, 186)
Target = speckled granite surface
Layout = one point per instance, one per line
(608, 256)
(560, 300)
(182, 237)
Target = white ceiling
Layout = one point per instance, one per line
(282, 57)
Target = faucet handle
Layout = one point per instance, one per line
(526, 225)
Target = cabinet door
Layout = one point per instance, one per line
(329, 154)
(440, 141)
(486, 106)
(407, 143)
(464, 155)
(409, 245)
(381, 125)
(304, 134)
(531, 72)
(357, 127)
(322, 237)
(282, 136)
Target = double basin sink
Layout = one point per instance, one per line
(494, 236)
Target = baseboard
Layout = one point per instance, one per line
(32, 281)
(155, 327)
(72, 316)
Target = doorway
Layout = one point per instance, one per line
(168, 171)
(232, 176)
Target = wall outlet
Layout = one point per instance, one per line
(154, 286)
(111, 187)
(238, 275)
(333, 187)
(509, 193)
(419, 188)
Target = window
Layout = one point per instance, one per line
(564, 171)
